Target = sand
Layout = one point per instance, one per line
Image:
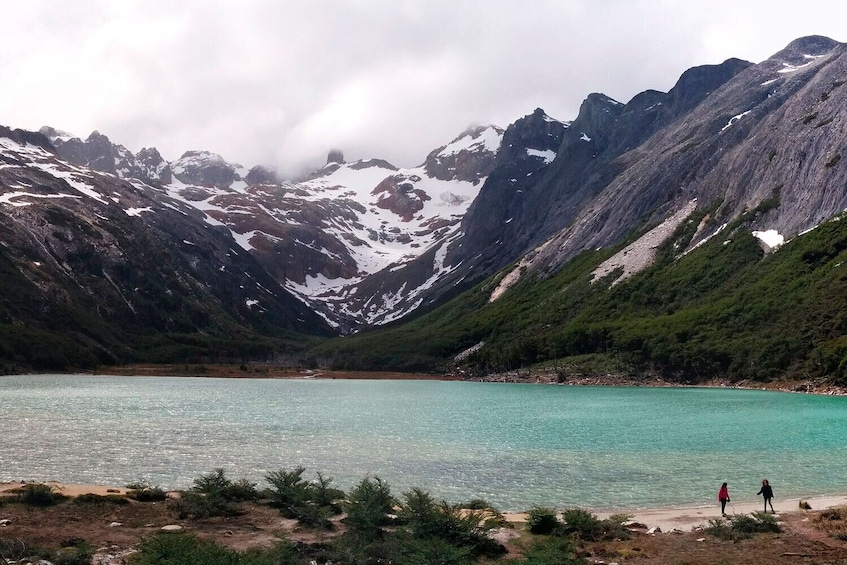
(67, 489)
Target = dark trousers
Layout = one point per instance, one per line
(723, 506)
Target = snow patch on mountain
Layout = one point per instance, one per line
(771, 238)
(547, 155)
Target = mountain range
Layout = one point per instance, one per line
(114, 256)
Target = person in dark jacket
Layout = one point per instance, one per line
(767, 493)
(723, 496)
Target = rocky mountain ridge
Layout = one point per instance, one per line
(323, 235)
(365, 243)
(736, 137)
(97, 259)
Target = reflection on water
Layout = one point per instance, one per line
(514, 445)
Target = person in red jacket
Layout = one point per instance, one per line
(723, 496)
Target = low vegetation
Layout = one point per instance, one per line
(369, 524)
(725, 310)
(743, 526)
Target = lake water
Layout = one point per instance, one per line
(513, 445)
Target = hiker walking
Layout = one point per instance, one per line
(723, 496)
(767, 493)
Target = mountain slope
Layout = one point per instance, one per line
(335, 238)
(111, 268)
(726, 309)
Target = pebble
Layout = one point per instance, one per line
(172, 528)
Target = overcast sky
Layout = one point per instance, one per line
(281, 82)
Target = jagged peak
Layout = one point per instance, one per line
(96, 135)
(197, 155)
(335, 156)
(23, 137)
(371, 163)
(54, 134)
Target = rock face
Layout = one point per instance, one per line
(469, 157)
(766, 137)
(103, 262)
(205, 169)
(99, 153)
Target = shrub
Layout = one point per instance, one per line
(586, 526)
(142, 491)
(552, 551)
(461, 528)
(182, 548)
(38, 495)
(91, 498)
(756, 523)
(288, 490)
(195, 505)
(217, 483)
(742, 526)
(720, 528)
(311, 515)
(542, 520)
(240, 491)
(322, 494)
(73, 552)
(368, 506)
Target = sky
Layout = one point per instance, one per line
(280, 82)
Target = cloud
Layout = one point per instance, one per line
(282, 82)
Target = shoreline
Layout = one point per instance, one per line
(667, 519)
(808, 386)
(818, 386)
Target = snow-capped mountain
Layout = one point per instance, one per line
(104, 268)
(323, 236)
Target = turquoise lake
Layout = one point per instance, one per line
(513, 445)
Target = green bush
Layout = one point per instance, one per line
(541, 520)
(586, 526)
(756, 523)
(195, 505)
(368, 506)
(288, 490)
(91, 498)
(461, 528)
(311, 515)
(38, 495)
(182, 549)
(214, 482)
(217, 483)
(142, 491)
(323, 495)
(742, 526)
(551, 551)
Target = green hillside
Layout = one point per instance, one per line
(725, 309)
